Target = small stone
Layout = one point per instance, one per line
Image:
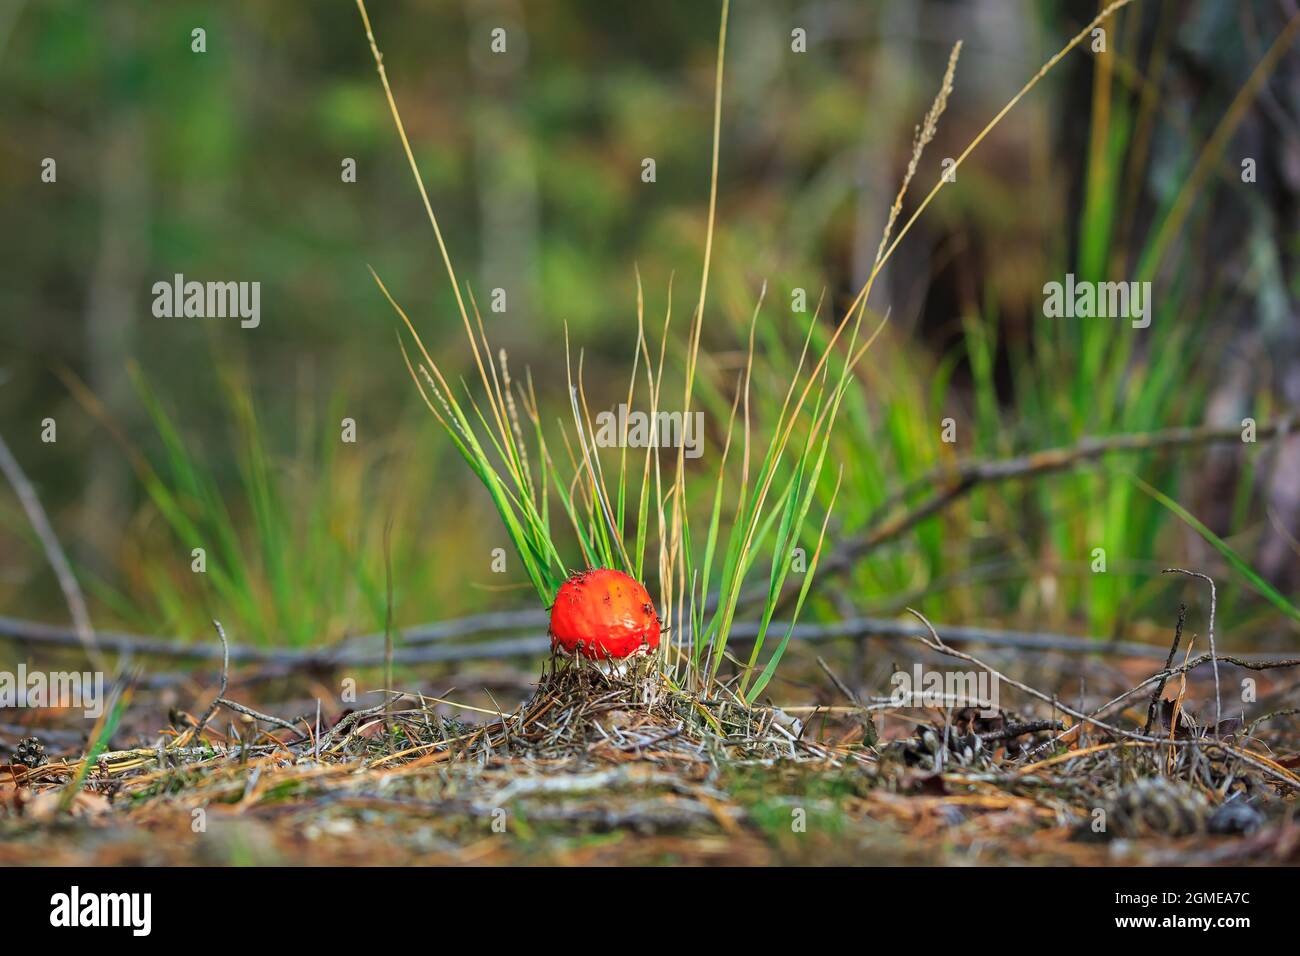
(1235, 817)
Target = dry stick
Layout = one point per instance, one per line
(36, 632)
(225, 675)
(1254, 665)
(351, 720)
(955, 483)
(222, 701)
(53, 552)
(258, 715)
(1288, 712)
(1218, 701)
(531, 619)
(1091, 447)
(537, 644)
(1012, 731)
(225, 701)
(937, 644)
(347, 652)
(835, 679)
(1169, 662)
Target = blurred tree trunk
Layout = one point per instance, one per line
(1277, 126)
(115, 293)
(506, 176)
(1253, 247)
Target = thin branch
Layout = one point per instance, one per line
(1270, 662)
(225, 680)
(76, 601)
(1169, 662)
(1288, 712)
(532, 644)
(258, 715)
(936, 643)
(222, 701)
(951, 484)
(1218, 701)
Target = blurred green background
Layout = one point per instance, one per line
(226, 165)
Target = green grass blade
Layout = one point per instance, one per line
(1253, 578)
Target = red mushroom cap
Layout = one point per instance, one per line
(603, 614)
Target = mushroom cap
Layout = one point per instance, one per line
(603, 614)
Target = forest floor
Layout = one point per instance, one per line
(600, 768)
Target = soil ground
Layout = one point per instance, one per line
(612, 773)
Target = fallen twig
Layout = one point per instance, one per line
(1254, 665)
(1218, 700)
(1169, 662)
(222, 701)
(539, 644)
(76, 601)
(936, 643)
(1287, 712)
(225, 678)
(954, 482)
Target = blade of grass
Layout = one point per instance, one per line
(1256, 582)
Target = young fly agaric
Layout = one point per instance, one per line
(603, 614)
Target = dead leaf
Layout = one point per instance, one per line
(45, 805)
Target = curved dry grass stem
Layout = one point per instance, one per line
(674, 596)
(419, 182)
(1214, 656)
(713, 207)
(989, 127)
(859, 302)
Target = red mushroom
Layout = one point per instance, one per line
(603, 614)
